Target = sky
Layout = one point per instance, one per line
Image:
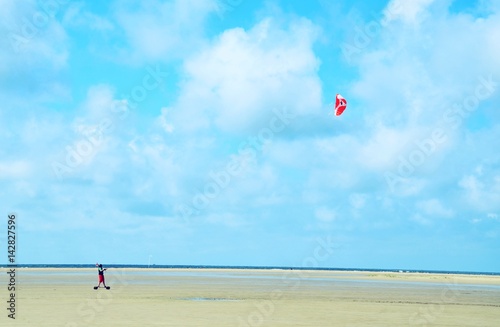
(200, 132)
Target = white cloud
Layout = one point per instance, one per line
(33, 35)
(87, 145)
(434, 207)
(35, 50)
(408, 86)
(384, 146)
(409, 12)
(15, 169)
(482, 192)
(422, 220)
(78, 16)
(493, 216)
(407, 82)
(164, 121)
(244, 75)
(325, 214)
(100, 101)
(357, 201)
(408, 186)
(163, 30)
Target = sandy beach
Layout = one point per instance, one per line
(224, 297)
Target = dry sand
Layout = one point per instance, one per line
(216, 297)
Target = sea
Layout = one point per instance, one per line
(154, 266)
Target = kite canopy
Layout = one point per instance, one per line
(340, 105)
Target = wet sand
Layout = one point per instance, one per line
(223, 297)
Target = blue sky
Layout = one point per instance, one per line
(200, 132)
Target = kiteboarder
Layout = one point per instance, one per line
(100, 271)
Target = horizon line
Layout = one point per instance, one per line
(242, 267)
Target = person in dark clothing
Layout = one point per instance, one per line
(100, 271)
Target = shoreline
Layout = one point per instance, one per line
(326, 275)
(258, 268)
